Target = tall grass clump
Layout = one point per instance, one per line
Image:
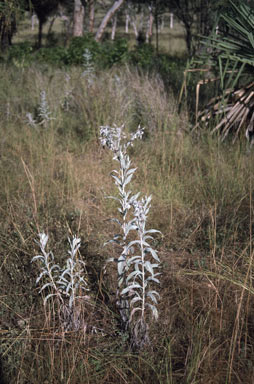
(135, 272)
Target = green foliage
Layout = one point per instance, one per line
(20, 53)
(143, 56)
(230, 55)
(57, 56)
(171, 70)
(77, 48)
(104, 55)
(113, 52)
(10, 11)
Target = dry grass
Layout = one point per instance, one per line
(55, 178)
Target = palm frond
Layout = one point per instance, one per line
(230, 54)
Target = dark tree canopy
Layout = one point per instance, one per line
(43, 8)
(9, 12)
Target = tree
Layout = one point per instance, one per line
(91, 15)
(197, 16)
(155, 9)
(43, 9)
(111, 12)
(78, 18)
(10, 10)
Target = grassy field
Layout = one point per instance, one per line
(54, 178)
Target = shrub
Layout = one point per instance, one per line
(113, 52)
(143, 56)
(52, 55)
(77, 48)
(20, 54)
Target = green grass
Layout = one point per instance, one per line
(55, 179)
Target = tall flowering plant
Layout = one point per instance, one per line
(135, 272)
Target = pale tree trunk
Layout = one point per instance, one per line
(34, 20)
(137, 24)
(135, 29)
(78, 19)
(149, 31)
(91, 16)
(114, 23)
(117, 4)
(127, 20)
(161, 24)
(141, 22)
(171, 20)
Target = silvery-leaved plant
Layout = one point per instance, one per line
(68, 94)
(43, 115)
(44, 110)
(118, 142)
(71, 281)
(143, 273)
(68, 284)
(88, 66)
(49, 271)
(135, 272)
(30, 120)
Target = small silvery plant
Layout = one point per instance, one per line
(136, 272)
(88, 66)
(68, 94)
(30, 120)
(49, 271)
(73, 286)
(66, 284)
(43, 109)
(43, 113)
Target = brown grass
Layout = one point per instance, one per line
(55, 179)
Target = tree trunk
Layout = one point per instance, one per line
(171, 21)
(78, 19)
(188, 39)
(34, 20)
(113, 33)
(157, 29)
(117, 4)
(127, 23)
(51, 24)
(91, 16)
(40, 33)
(149, 31)
(135, 29)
